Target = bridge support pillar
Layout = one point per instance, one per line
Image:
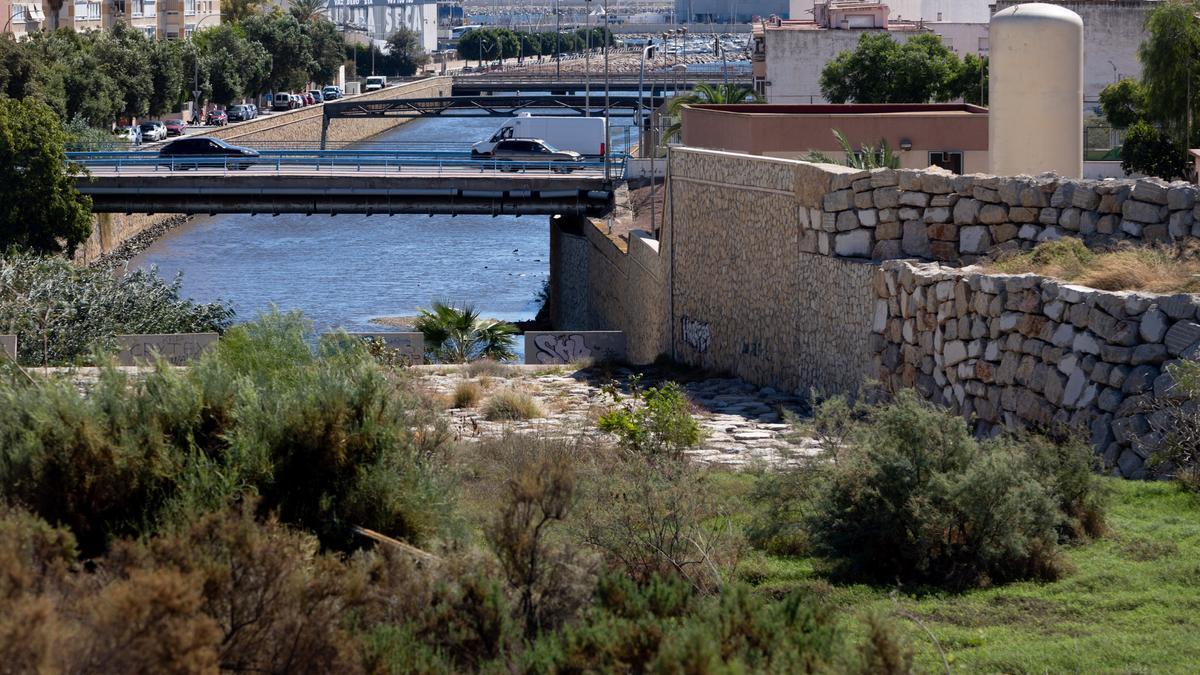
(567, 305)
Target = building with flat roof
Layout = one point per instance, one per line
(954, 11)
(950, 135)
(720, 11)
(21, 18)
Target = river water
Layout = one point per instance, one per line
(343, 271)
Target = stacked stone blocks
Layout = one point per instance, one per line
(1025, 351)
(935, 215)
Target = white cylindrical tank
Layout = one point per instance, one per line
(1035, 93)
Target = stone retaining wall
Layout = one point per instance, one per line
(935, 215)
(1025, 351)
(304, 124)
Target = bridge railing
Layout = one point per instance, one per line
(343, 161)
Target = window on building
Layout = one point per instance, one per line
(189, 7)
(188, 30)
(948, 160)
(983, 45)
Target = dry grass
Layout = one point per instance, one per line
(1154, 269)
(487, 367)
(466, 394)
(510, 404)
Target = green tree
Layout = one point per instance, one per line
(328, 49)
(19, 69)
(405, 51)
(1170, 74)
(1153, 152)
(166, 74)
(1123, 102)
(290, 49)
(123, 55)
(880, 70)
(39, 206)
(238, 67)
(971, 81)
(458, 335)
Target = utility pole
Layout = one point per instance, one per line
(607, 103)
(557, 42)
(587, 63)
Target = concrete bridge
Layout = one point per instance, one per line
(656, 84)
(372, 183)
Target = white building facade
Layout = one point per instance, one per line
(380, 18)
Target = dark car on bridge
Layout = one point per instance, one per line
(204, 151)
(532, 150)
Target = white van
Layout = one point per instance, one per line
(584, 135)
(376, 82)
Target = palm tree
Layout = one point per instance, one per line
(704, 93)
(307, 11)
(866, 158)
(458, 335)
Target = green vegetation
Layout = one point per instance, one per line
(1151, 151)
(39, 206)
(913, 497)
(61, 313)
(881, 70)
(466, 394)
(1156, 269)
(865, 158)
(457, 335)
(654, 422)
(1175, 420)
(490, 44)
(118, 73)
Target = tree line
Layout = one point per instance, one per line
(103, 76)
(502, 43)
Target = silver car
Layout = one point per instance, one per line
(534, 150)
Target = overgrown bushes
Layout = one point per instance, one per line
(654, 422)
(327, 440)
(913, 497)
(61, 312)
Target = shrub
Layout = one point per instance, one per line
(328, 441)
(488, 368)
(1157, 269)
(1174, 419)
(510, 404)
(538, 492)
(458, 335)
(916, 498)
(59, 312)
(466, 394)
(1152, 152)
(661, 519)
(654, 423)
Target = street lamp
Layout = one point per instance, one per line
(647, 51)
(607, 106)
(587, 64)
(557, 42)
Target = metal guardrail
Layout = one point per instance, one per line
(346, 161)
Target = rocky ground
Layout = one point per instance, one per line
(743, 424)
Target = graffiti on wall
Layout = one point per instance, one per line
(384, 17)
(696, 334)
(573, 346)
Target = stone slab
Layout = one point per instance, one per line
(8, 346)
(177, 348)
(546, 347)
(410, 345)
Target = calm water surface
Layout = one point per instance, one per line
(342, 271)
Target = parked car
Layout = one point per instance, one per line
(332, 93)
(308, 98)
(175, 127)
(216, 118)
(133, 134)
(253, 110)
(239, 113)
(282, 102)
(153, 131)
(204, 151)
(533, 150)
(376, 82)
(317, 96)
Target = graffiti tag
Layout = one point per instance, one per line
(696, 334)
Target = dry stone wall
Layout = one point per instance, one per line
(1025, 351)
(935, 215)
